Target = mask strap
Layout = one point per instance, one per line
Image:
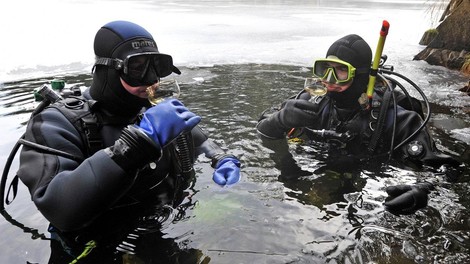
(116, 63)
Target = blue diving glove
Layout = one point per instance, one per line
(168, 119)
(227, 171)
(406, 199)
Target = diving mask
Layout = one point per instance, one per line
(334, 70)
(143, 68)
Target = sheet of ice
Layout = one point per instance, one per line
(43, 38)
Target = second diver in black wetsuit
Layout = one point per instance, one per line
(339, 117)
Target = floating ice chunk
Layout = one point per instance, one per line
(199, 79)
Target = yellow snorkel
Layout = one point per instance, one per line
(378, 55)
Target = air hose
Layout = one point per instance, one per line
(184, 153)
(381, 118)
(6, 170)
(425, 99)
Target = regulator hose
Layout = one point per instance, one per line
(425, 99)
(184, 153)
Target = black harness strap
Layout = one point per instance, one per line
(78, 111)
(380, 120)
(92, 133)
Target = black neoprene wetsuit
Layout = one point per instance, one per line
(75, 195)
(356, 124)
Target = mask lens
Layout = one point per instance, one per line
(163, 65)
(342, 72)
(137, 66)
(142, 69)
(147, 68)
(320, 68)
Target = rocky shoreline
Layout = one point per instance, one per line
(449, 44)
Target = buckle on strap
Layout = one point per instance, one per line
(92, 133)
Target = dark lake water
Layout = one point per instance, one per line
(238, 58)
(333, 213)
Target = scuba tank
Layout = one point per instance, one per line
(46, 95)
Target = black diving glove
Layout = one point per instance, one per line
(133, 149)
(297, 113)
(406, 199)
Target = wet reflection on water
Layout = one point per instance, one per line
(303, 207)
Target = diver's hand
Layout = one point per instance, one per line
(406, 199)
(227, 171)
(168, 119)
(297, 113)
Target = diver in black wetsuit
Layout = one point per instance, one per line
(340, 118)
(122, 157)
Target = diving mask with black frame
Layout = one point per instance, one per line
(334, 70)
(140, 69)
